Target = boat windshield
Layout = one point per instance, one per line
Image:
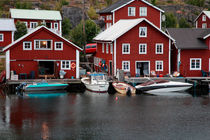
(150, 82)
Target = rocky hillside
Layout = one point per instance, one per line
(72, 9)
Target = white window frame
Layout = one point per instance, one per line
(39, 45)
(33, 23)
(191, 59)
(156, 65)
(204, 25)
(126, 70)
(26, 24)
(55, 45)
(111, 48)
(107, 48)
(24, 44)
(102, 47)
(143, 45)
(65, 67)
(156, 48)
(204, 18)
(145, 30)
(125, 45)
(143, 11)
(56, 26)
(134, 12)
(2, 38)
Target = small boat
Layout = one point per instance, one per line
(42, 86)
(124, 88)
(162, 85)
(96, 82)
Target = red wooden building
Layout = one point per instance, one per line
(33, 18)
(136, 46)
(191, 51)
(42, 52)
(203, 20)
(131, 9)
(7, 29)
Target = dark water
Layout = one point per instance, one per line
(92, 116)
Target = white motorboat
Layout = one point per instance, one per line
(96, 82)
(124, 88)
(162, 86)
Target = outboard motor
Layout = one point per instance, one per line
(128, 92)
(20, 87)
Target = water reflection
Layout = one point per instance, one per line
(43, 94)
(91, 115)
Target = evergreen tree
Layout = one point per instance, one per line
(183, 23)
(66, 27)
(21, 30)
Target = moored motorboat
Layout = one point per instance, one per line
(42, 86)
(96, 82)
(161, 85)
(124, 88)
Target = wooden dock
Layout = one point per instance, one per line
(30, 81)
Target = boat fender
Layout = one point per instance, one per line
(128, 92)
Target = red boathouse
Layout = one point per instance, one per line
(203, 20)
(136, 46)
(131, 9)
(7, 29)
(42, 53)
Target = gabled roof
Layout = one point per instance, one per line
(121, 27)
(35, 14)
(7, 24)
(188, 38)
(121, 3)
(38, 28)
(207, 13)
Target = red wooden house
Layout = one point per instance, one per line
(7, 29)
(191, 51)
(42, 52)
(203, 20)
(131, 9)
(136, 46)
(33, 18)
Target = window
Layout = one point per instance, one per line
(126, 65)
(65, 65)
(107, 48)
(204, 25)
(27, 45)
(1, 37)
(143, 11)
(159, 49)
(125, 48)
(109, 17)
(142, 48)
(111, 48)
(142, 31)
(43, 45)
(131, 11)
(58, 45)
(159, 65)
(195, 64)
(204, 18)
(56, 26)
(33, 24)
(26, 24)
(102, 47)
(108, 25)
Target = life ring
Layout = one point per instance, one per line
(73, 65)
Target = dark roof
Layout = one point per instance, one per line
(189, 38)
(113, 6)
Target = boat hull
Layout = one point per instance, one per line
(122, 89)
(45, 87)
(97, 87)
(172, 87)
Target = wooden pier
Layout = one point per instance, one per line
(30, 81)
